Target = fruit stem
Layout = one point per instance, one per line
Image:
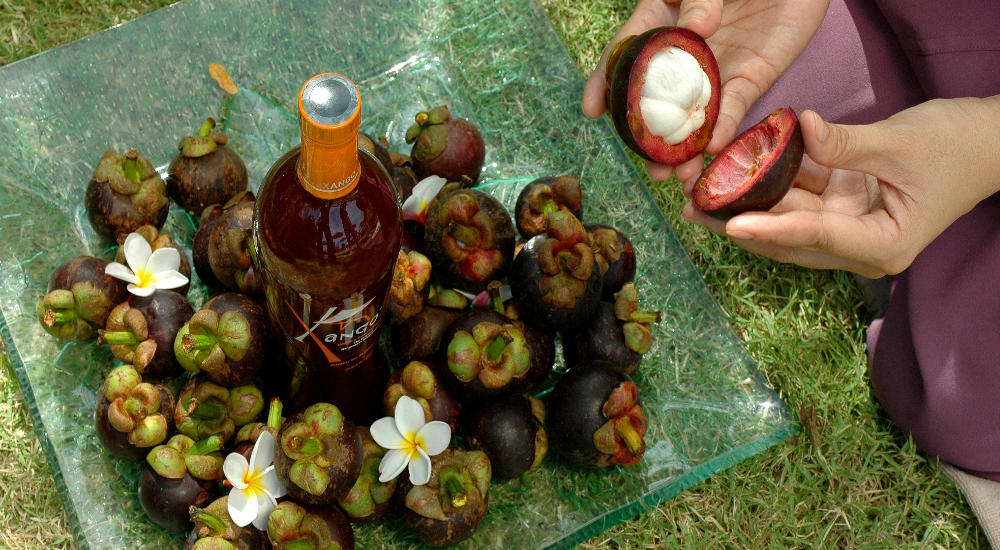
(132, 168)
(495, 349)
(119, 338)
(463, 234)
(309, 446)
(206, 127)
(135, 409)
(252, 251)
(450, 482)
(631, 438)
(191, 342)
(568, 262)
(645, 316)
(205, 446)
(210, 410)
(549, 207)
(496, 302)
(52, 318)
(274, 413)
(215, 525)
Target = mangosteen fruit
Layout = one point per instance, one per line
(181, 474)
(418, 381)
(446, 146)
(509, 429)
(617, 333)
(410, 286)
(125, 194)
(225, 340)
(141, 331)
(369, 499)
(205, 171)
(555, 283)
(214, 526)
(230, 250)
(132, 415)
(377, 150)
(419, 338)
(247, 436)
(199, 242)
(544, 196)
(469, 238)
(614, 255)
(452, 504)
(594, 417)
(319, 455)
(482, 355)
(541, 344)
(157, 241)
(755, 171)
(663, 93)
(79, 298)
(291, 526)
(205, 409)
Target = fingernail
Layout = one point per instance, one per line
(737, 234)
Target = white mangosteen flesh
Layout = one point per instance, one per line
(674, 95)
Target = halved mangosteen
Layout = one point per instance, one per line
(663, 93)
(755, 171)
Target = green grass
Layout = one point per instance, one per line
(864, 486)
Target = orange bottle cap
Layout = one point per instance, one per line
(329, 118)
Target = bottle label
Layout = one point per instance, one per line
(328, 171)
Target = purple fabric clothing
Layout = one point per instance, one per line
(934, 358)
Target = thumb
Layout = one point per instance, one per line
(851, 147)
(701, 16)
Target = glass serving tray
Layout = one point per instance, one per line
(498, 63)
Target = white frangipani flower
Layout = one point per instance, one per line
(147, 269)
(410, 442)
(415, 206)
(255, 484)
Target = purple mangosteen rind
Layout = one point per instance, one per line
(600, 338)
(420, 338)
(165, 312)
(125, 193)
(621, 80)
(118, 443)
(774, 171)
(167, 502)
(473, 382)
(317, 528)
(205, 172)
(542, 348)
(525, 283)
(419, 381)
(230, 248)
(318, 455)
(446, 146)
(507, 430)
(225, 340)
(79, 297)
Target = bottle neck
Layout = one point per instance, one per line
(328, 171)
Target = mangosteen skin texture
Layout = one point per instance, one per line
(525, 284)
(167, 501)
(464, 154)
(166, 312)
(243, 371)
(575, 411)
(600, 338)
(199, 246)
(113, 215)
(250, 538)
(620, 271)
(522, 204)
(420, 338)
(504, 428)
(772, 182)
(542, 347)
(117, 443)
(197, 182)
(473, 390)
(626, 119)
(342, 475)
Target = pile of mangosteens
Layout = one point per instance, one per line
(478, 300)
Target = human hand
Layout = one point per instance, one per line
(869, 198)
(754, 41)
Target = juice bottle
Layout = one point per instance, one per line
(327, 230)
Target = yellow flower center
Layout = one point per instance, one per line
(145, 277)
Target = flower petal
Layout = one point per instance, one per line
(147, 290)
(434, 437)
(242, 506)
(120, 271)
(235, 467)
(420, 468)
(163, 260)
(393, 464)
(265, 505)
(385, 433)
(170, 279)
(262, 455)
(409, 417)
(271, 484)
(415, 206)
(137, 251)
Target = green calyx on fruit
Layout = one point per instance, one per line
(312, 444)
(127, 333)
(604, 244)
(57, 311)
(208, 339)
(565, 259)
(459, 479)
(470, 236)
(416, 381)
(207, 141)
(448, 298)
(134, 407)
(637, 324)
(409, 278)
(214, 527)
(292, 527)
(493, 353)
(430, 133)
(368, 492)
(564, 194)
(206, 408)
(250, 432)
(181, 455)
(622, 435)
(133, 175)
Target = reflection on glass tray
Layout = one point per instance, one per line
(496, 62)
